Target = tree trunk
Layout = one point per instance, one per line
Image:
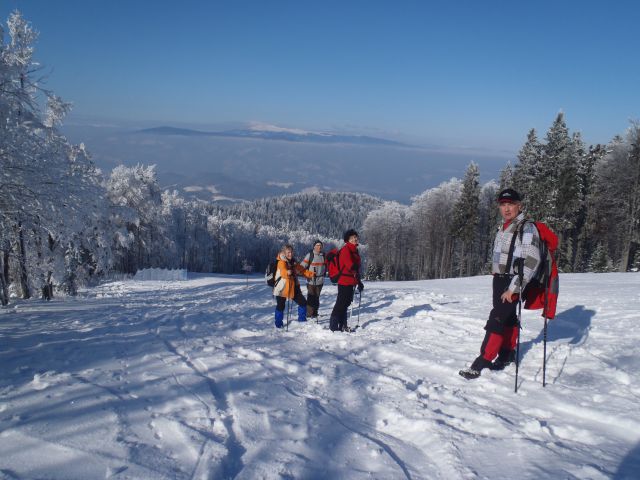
(22, 260)
(4, 292)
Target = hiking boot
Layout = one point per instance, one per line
(476, 367)
(505, 358)
(469, 373)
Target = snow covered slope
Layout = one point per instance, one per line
(190, 380)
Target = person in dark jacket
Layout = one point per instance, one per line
(502, 326)
(349, 261)
(314, 261)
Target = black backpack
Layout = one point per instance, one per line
(270, 273)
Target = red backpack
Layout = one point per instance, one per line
(333, 264)
(542, 290)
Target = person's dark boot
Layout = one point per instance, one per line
(475, 369)
(505, 358)
(334, 323)
(343, 324)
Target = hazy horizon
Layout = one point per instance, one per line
(458, 75)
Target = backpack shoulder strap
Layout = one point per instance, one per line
(519, 232)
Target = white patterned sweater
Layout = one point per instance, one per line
(528, 248)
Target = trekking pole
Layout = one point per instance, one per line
(288, 313)
(519, 326)
(544, 359)
(518, 342)
(544, 341)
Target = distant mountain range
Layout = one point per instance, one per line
(238, 162)
(271, 132)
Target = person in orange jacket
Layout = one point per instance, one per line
(287, 286)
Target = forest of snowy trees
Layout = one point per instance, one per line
(63, 223)
(590, 196)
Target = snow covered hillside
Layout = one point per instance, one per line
(151, 380)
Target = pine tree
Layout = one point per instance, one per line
(600, 261)
(586, 217)
(464, 227)
(617, 197)
(527, 174)
(635, 265)
(568, 201)
(486, 228)
(554, 158)
(630, 196)
(506, 177)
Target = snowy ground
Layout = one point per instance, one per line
(151, 380)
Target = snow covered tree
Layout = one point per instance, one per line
(617, 197)
(488, 219)
(556, 159)
(432, 216)
(50, 193)
(586, 216)
(527, 173)
(388, 232)
(635, 265)
(136, 196)
(600, 262)
(464, 227)
(506, 177)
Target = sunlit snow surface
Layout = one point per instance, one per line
(172, 380)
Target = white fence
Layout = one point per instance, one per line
(161, 274)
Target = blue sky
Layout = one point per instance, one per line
(459, 73)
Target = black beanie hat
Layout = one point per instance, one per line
(317, 241)
(348, 234)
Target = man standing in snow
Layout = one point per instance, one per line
(314, 261)
(515, 259)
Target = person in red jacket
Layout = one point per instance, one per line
(349, 261)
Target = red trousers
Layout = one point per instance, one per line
(494, 343)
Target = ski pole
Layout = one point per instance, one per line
(288, 313)
(359, 304)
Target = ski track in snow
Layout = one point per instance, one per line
(189, 380)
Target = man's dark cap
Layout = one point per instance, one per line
(509, 195)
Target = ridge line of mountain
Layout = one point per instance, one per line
(289, 136)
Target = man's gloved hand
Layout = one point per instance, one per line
(360, 286)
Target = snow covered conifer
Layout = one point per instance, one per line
(527, 172)
(506, 177)
(464, 227)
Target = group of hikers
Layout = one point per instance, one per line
(516, 259)
(314, 267)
